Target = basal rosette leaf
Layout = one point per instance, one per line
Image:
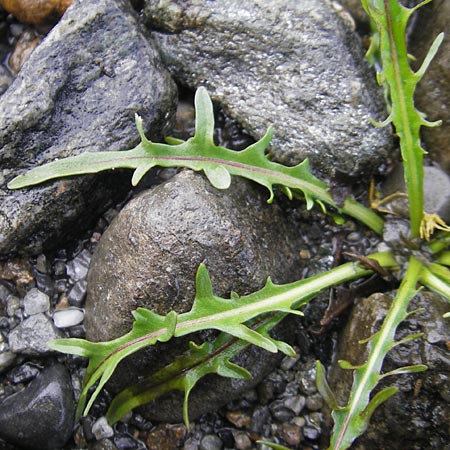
(199, 153)
(104, 357)
(185, 372)
(209, 311)
(388, 52)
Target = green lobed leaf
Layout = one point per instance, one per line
(184, 373)
(208, 311)
(199, 153)
(352, 420)
(388, 53)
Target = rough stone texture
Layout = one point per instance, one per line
(78, 92)
(433, 92)
(417, 416)
(150, 253)
(291, 65)
(30, 337)
(41, 416)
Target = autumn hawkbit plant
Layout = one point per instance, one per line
(245, 320)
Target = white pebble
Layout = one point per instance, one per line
(69, 317)
(102, 429)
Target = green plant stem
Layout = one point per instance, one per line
(402, 94)
(444, 258)
(364, 215)
(437, 280)
(350, 421)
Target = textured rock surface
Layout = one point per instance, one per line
(41, 416)
(291, 65)
(30, 337)
(433, 92)
(150, 253)
(417, 416)
(78, 91)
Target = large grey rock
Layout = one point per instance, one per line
(41, 416)
(292, 65)
(78, 92)
(417, 416)
(149, 256)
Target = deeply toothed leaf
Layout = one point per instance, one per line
(199, 153)
(208, 311)
(389, 54)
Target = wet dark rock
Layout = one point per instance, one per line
(150, 253)
(22, 374)
(41, 416)
(414, 417)
(433, 91)
(259, 418)
(77, 92)
(291, 65)
(30, 337)
(5, 78)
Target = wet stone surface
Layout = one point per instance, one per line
(295, 66)
(414, 417)
(149, 255)
(60, 104)
(42, 414)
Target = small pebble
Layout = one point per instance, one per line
(260, 416)
(280, 412)
(30, 337)
(59, 269)
(296, 403)
(289, 362)
(4, 292)
(77, 293)
(290, 433)
(23, 373)
(5, 79)
(314, 402)
(101, 429)
(211, 442)
(239, 419)
(65, 318)
(311, 433)
(307, 381)
(242, 441)
(42, 264)
(12, 305)
(36, 12)
(77, 269)
(6, 360)
(36, 302)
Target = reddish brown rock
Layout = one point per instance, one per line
(36, 12)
